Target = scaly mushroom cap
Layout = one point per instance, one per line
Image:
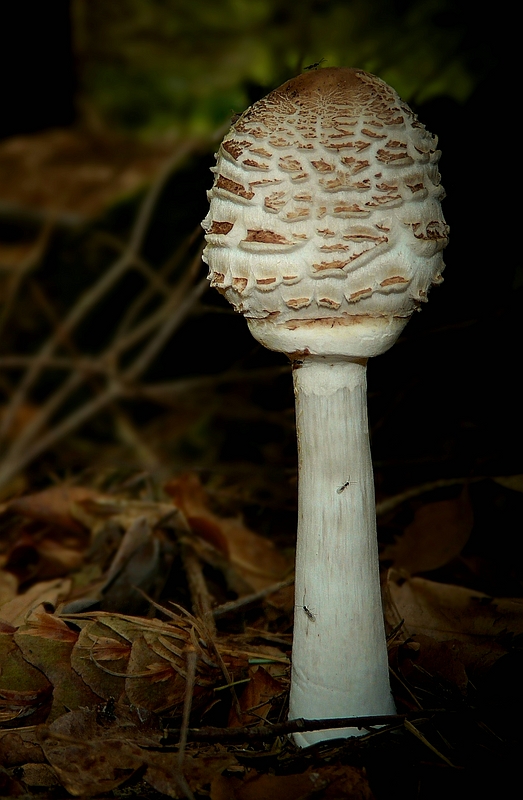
(325, 226)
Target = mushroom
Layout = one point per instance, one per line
(325, 231)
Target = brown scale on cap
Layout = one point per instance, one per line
(365, 167)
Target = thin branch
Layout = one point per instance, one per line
(17, 458)
(14, 465)
(250, 599)
(25, 268)
(173, 322)
(390, 503)
(173, 262)
(200, 597)
(82, 364)
(93, 295)
(267, 732)
(166, 389)
(187, 703)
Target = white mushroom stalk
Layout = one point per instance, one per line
(325, 230)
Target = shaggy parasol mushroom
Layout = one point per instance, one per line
(325, 230)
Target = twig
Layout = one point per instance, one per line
(172, 263)
(170, 325)
(384, 506)
(415, 732)
(263, 732)
(249, 599)
(162, 391)
(14, 465)
(201, 599)
(187, 704)
(90, 298)
(28, 264)
(20, 454)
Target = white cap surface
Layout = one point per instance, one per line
(325, 226)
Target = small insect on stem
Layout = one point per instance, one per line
(340, 489)
(309, 613)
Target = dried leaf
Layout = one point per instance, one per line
(145, 658)
(106, 648)
(93, 752)
(198, 771)
(40, 623)
(423, 656)
(437, 534)
(8, 588)
(514, 482)
(479, 628)
(44, 644)
(40, 775)
(16, 610)
(331, 783)
(90, 658)
(53, 506)
(86, 758)
(254, 558)
(20, 747)
(153, 683)
(256, 697)
(24, 691)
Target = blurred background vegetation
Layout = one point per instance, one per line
(160, 67)
(152, 67)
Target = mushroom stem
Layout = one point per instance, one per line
(339, 655)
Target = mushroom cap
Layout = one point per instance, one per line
(325, 226)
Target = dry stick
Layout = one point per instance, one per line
(28, 264)
(88, 300)
(174, 261)
(155, 345)
(247, 600)
(166, 389)
(390, 503)
(44, 413)
(97, 366)
(262, 732)
(154, 277)
(200, 597)
(187, 702)
(105, 361)
(18, 458)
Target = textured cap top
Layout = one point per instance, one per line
(325, 209)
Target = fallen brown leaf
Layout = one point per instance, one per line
(198, 770)
(143, 658)
(256, 697)
(87, 758)
(16, 610)
(39, 775)
(478, 628)
(255, 559)
(46, 645)
(514, 482)
(8, 588)
(100, 657)
(53, 506)
(331, 783)
(437, 534)
(20, 747)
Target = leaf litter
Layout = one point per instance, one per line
(95, 700)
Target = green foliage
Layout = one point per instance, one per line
(154, 66)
